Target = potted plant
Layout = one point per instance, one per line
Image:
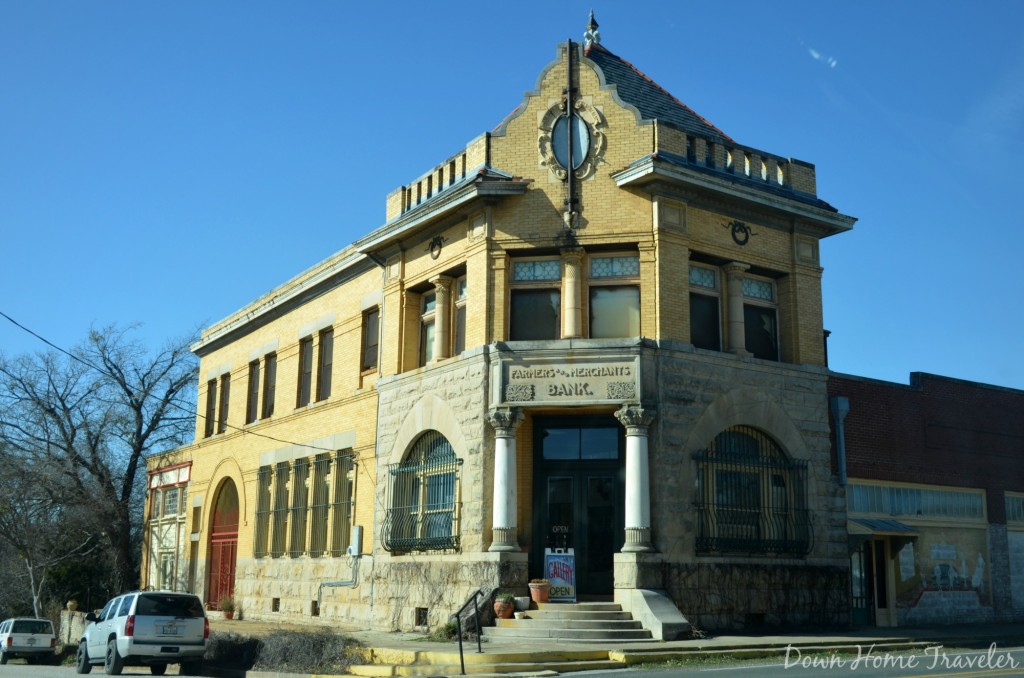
(504, 605)
(540, 590)
(227, 606)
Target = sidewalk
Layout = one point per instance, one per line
(405, 649)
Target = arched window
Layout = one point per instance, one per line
(751, 497)
(425, 502)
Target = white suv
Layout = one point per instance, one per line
(25, 637)
(146, 628)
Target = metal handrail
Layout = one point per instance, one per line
(476, 619)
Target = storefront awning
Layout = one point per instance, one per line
(859, 530)
(879, 528)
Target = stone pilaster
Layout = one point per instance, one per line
(636, 419)
(504, 526)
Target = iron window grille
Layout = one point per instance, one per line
(751, 497)
(424, 502)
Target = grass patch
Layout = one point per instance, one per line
(316, 651)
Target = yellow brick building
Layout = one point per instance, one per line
(593, 336)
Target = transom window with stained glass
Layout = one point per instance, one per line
(758, 289)
(703, 277)
(535, 270)
(615, 267)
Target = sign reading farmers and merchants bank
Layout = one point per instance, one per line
(576, 381)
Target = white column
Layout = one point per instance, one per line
(734, 282)
(636, 419)
(504, 526)
(572, 293)
(442, 316)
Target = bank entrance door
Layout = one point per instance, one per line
(578, 497)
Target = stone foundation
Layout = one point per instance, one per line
(732, 596)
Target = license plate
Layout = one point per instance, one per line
(31, 641)
(169, 629)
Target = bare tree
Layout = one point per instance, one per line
(90, 417)
(42, 532)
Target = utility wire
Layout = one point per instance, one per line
(172, 403)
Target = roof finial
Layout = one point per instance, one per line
(592, 35)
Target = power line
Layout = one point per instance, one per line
(171, 403)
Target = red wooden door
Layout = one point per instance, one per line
(223, 548)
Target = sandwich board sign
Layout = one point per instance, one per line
(560, 570)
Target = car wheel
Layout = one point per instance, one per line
(157, 669)
(3, 657)
(191, 668)
(82, 664)
(113, 663)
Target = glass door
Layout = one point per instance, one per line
(579, 505)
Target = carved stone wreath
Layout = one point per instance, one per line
(595, 153)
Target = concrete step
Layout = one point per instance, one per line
(536, 667)
(531, 622)
(570, 613)
(580, 607)
(559, 633)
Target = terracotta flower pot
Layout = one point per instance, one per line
(503, 610)
(540, 592)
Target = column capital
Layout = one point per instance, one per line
(442, 284)
(635, 418)
(736, 268)
(505, 420)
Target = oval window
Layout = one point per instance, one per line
(580, 141)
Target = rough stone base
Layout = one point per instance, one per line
(734, 596)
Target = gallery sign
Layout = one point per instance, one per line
(570, 381)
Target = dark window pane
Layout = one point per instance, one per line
(225, 390)
(705, 326)
(211, 407)
(561, 443)
(269, 384)
(599, 443)
(614, 312)
(252, 401)
(305, 370)
(460, 329)
(370, 336)
(326, 365)
(535, 315)
(761, 327)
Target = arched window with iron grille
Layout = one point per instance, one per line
(751, 497)
(424, 500)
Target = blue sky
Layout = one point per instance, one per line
(167, 162)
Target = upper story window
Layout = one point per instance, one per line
(428, 326)
(535, 299)
(705, 308)
(614, 296)
(222, 409)
(323, 371)
(325, 364)
(210, 422)
(761, 318)
(750, 496)
(305, 371)
(253, 393)
(459, 335)
(269, 384)
(371, 339)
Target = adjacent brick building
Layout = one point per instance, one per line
(597, 327)
(934, 475)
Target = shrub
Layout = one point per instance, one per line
(231, 650)
(316, 651)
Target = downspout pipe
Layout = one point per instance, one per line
(840, 407)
